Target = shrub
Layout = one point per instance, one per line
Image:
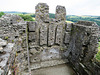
(26, 17)
(1, 13)
(98, 55)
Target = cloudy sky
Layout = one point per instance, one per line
(73, 7)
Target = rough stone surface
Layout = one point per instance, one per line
(47, 64)
(60, 33)
(42, 12)
(52, 33)
(3, 42)
(82, 47)
(12, 30)
(32, 37)
(43, 34)
(10, 19)
(32, 26)
(68, 27)
(67, 37)
(5, 56)
(60, 13)
(47, 42)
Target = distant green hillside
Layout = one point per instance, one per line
(15, 12)
(75, 18)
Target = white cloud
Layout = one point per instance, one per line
(77, 7)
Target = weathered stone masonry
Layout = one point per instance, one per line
(49, 41)
(46, 37)
(82, 48)
(13, 30)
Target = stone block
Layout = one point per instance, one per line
(51, 34)
(34, 59)
(87, 23)
(68, 27)
(67, 37)
(32, 37)
(32, 26)
(60, 33)
(60, 13)
(43, 34)
(3, 42)
(42, 12)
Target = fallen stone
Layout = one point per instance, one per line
(1, 71)
(3, 42)
(1, 49)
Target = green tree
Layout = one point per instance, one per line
(26, 17)
(98, 17)
(51, 15)
(33, 15)
(98, 56)
(1, 13)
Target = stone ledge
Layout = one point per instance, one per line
(48, 63)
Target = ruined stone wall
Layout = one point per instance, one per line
(11, 26)
(13, 30)
(82, 48)
(47, 42)
(46, 37)
(52, 39)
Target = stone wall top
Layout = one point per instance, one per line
(60, 13)
(42, 13)
(87, 23)
(9, 19)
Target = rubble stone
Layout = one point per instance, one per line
(3, 42)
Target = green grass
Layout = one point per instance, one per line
(98, 54)
(33, 19)
(69, 21)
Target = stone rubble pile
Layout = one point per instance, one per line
(11, 26)
(5, 51)
(11, 19)
(13, 30)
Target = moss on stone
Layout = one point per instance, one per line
(6, 37)
(12, 41)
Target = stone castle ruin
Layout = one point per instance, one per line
(27, 46)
